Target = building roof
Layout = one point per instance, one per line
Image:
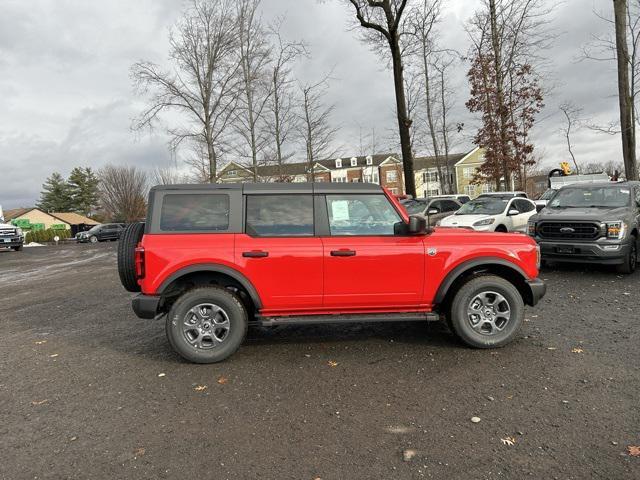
(73, 218)
(423, 163)
(16, 212)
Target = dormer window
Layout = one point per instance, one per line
(338, 163)
(232, 173)
(354, 162)
(369, 160)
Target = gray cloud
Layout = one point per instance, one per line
(66, 97)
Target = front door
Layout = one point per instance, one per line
(367, 266)
(279, 253)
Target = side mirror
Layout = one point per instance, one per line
(433, 211)
(513, 212)
(417, 224)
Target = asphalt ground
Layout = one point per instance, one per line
(87, 390)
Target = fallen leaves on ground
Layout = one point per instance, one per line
(139, 452)
(53, 355)
(39, 402)
(408, 454)
(200, 388)
(634, 450)
(162, 374)
(577, 350)
(509, 441)
(41, 342)
(223, 380)
(331, 363)
(551, 348)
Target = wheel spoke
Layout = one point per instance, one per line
(206, 326)
(488, 313)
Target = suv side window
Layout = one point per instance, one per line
(194, 212)
(361, 215)
(449, 206)
(524, 206)
(279, 215)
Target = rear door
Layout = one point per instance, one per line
(280, 253)
(367, 265)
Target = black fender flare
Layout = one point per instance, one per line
(473, 264)
(214, 268)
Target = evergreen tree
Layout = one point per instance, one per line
(55, 195)
(83, 189)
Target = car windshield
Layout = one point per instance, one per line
(94, 229)
(548, 194)
(602, 196)
(483, 206)
(414, 206)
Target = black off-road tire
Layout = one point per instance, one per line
(631, 259)
(126, 256)
(234, 313)
(459, 322)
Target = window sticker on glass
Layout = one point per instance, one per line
(340, 210)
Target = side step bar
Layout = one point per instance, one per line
(356, 318)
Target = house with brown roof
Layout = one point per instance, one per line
(61, 220)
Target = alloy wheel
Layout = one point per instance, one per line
(488, 313)
(206, 326)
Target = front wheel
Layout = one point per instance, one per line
(631, 259)
(206, 325)
(93, 239)
(486, 312)
(18, 248)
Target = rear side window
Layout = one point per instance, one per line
(194, 212)
(279, 215)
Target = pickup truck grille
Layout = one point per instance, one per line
(7, 232)
(569, 231)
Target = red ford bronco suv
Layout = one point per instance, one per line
(217, 258)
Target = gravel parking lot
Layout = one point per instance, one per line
(87, 390)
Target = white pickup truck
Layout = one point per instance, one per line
(10, 235)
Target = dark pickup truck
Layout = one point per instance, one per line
(591, 223)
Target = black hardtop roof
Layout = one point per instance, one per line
(278, 188)
(604, 183)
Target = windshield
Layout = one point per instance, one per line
(604, 196)
(94, 229)
(483, 206)
(548, 194)
(414, 206)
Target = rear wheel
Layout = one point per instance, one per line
(206, 325)
(126, 256)
(486, 312)
(631, 259)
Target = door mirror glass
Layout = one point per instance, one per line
(513, 212)
(417, 224)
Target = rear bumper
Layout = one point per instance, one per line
(145, 306)
(538, 289)
(603, 253)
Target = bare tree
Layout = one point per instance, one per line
(626, 85)
(254, 51)
(202, 83)
(123, 193)
(167, 176)
(315, 127)
(284, 120)
(383, 18)
(572, 119)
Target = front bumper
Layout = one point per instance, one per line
(145, 306)
(538, 288)
(609, 253)
(13, 242)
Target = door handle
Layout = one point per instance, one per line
(343, 253)
(255, 254)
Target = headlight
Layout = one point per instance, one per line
(486, 221)
(616, 230)
(19, 231)
(531, 228)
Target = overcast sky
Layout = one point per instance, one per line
(66, 98)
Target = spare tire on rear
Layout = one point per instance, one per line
(127, 255)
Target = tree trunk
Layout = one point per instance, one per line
(500, 95)
(620, 8)
(404, 123)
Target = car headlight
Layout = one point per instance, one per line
(486, 221)
(19, 231)
(531, 228)
(616, 230)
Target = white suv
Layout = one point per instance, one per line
(491, 214)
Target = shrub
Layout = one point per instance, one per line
(41, 236)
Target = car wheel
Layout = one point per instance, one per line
(93, 239)
(631, 260)
(486, 312)
(18, 248)
(127, 256)
(206, 325)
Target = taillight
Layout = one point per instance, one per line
(139, 261)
